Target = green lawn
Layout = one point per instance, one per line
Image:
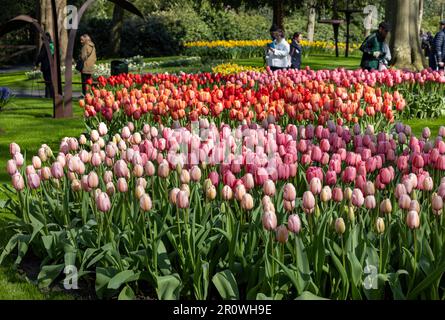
(28, 122)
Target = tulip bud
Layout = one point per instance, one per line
(195, 173)
(211, 192)
(182, 199)
(227, 193)
(351, 214)
(110, 188)
(380, 225)
(414, 206)
(308, 202)
(326, 194)
(103, 202)
(163, 170)
(18, 182)
(315, 185)
(337, 194)
(11, 167)
(348, 194)
(75, 185)
(428, 184)
(240, 191)
(36, 162)
(138, 170)
(282, 234)
(145, 202)
(139, 191)
(412, 220)
(289, 192)
(294, 223)
(386, 206)
(288, 205)
(340, 226)
(33, 180)
(93, 180)
(269, 220)
(247, 202)
(370, 202)
(404, 201)
(437, 204)
(173, 195)
(269, 188)
(122, 185)
(184, 176)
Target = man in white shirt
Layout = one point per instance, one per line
(277, 54)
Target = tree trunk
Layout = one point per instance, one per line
(404, 42)
(63, 34)
(278, 13)
(420, 16)
(116, 31)
(311, 20)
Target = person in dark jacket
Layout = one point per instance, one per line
(296, 51)
(438, 50)
(372, 47)
(45, 67)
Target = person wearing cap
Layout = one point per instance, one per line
(438, 50)
(373, 48)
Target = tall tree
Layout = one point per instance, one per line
(404, 40)
(278, 13)
(312, 6)
(46, 19)
(116, 30)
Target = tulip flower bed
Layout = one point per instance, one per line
(306, 95)
(289, 96)
(214, 211)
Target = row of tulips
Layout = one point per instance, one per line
(285, 101)
(247, 212)
(422, 90)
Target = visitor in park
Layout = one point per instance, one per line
(384, 62)
(372, 48)
(45, 67)
(426, 40)
(277, 54)
(296, 50)
(87, 60)
(438, 49)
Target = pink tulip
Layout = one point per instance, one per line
(269, 188)
(337, 194)
(404, 201)
(412, 220)
(11, 167)
(214, 177)
(103, 202)
(282, 234)
(121, 169)
(289, 192)
(93, 180)
(308, 202)
(13, 149)
(182, 200)
(33, 180)
(370, 202)
(122, 185)
(269, 220)
(357, 198)
(294, 223)
(247, 202)
(227, 193)
(36, 162)
(18, 158)
(145, 202)
(18, 182)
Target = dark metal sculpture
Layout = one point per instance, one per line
(62, 101)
